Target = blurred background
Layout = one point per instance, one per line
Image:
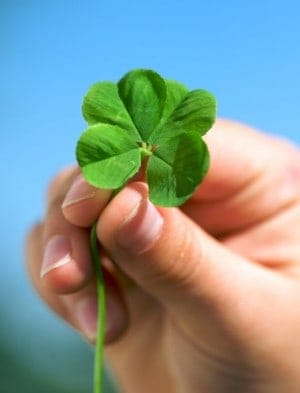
(246, 53)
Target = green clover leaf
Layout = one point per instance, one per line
(103, 147)
(144, 94)
(176, 168)
(196, 112)
(144, 115)
(102, 104)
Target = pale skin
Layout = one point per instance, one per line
(204, 298)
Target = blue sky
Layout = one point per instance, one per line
(246, 53)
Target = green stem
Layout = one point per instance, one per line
(99, 361)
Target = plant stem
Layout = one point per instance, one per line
(98, 360)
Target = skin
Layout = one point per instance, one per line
(202, 298)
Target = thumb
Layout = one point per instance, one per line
(167, 255)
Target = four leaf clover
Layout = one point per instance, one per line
(146, 117)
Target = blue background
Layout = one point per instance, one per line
(246, 53)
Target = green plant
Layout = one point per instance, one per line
(143, 119)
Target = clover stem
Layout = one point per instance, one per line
(100, 334)
(146, 149)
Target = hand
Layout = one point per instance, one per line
(199, 299)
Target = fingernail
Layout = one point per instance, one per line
(79, 191)
(116, 317)
(86, 313)
(87, 317)
(142, 226)
(57, 253)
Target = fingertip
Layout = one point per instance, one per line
(34, 251)
(83, 202)
(144, 223)
(64, 277)
(117, 321)
(66, 265)
(83, 311)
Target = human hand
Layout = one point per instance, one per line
(204, 298)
